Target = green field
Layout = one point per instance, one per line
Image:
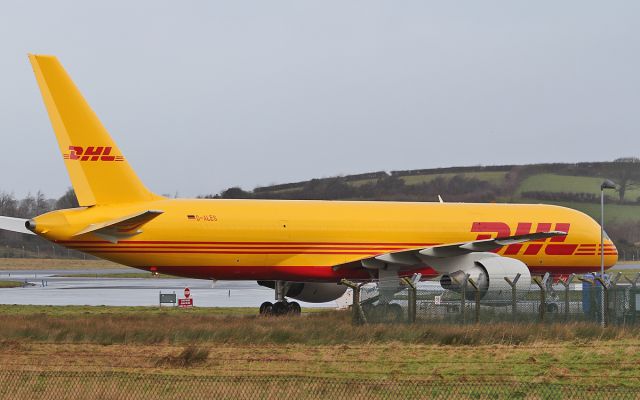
(567, 183)
(360, 182)
(493, 177)
(10, 284)
(16, 264)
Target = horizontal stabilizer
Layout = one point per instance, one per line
(14, 225)
(120, 228)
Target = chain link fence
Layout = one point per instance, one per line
(19, 385)
(588, 300)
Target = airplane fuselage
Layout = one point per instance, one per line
(305, 240)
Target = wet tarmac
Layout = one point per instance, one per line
(47, 287)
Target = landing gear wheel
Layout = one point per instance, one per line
(552, 308)
(294, 308)
(280, 308)
(266, 308)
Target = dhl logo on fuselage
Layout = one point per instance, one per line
(91, 153)
(554, 246)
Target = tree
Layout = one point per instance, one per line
(626, 174)
(68, 200)
(8, 205)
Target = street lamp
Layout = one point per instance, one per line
(607, 184)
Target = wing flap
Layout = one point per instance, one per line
(417, 257)
(458, 249)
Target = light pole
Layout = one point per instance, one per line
(607, 184)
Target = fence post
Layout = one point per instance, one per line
(411, 306)
(358, 315)
(476, 289)
(543, 304)
(613, 282)
(463, 287)
(605, 300)
(514, 295)
(632, 297)
(566, 283)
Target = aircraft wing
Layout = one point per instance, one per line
(14, 225)
(120, 227)
(418, 257)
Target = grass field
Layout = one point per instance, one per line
(11, 264)
(223, 342)
(496, 178)
(360, 182)
(10, 284)
(566, 183)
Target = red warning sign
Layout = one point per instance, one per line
(185, 302)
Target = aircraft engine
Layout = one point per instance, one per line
(311, 292)
(488, 271)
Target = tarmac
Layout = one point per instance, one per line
(47, 287)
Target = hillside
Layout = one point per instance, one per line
(571, 185)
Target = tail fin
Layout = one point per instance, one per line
(99, 173)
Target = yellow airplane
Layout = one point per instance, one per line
(302, 249)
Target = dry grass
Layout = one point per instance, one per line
(14, 264)
(10, 284)
(189, 357)
(200, 343)
(146, 325)
(547, 363)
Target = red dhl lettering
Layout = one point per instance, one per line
(91, 153)
(554, 247)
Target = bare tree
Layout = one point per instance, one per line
(68, 200)
(626, 174)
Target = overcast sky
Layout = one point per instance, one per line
(204, 95)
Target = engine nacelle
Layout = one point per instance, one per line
(311, 292)
(488, 270)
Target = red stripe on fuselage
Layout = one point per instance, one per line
(126, 242)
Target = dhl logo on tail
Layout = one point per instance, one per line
(92, 153)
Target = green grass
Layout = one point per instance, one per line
(361, 182)
(629, 273)
(493, 177)
(566, 183)
(15, 264)
(142, 311)
(10, 284)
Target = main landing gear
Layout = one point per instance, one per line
(281, 306)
